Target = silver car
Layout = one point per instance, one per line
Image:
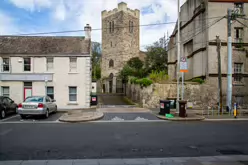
(37, 105)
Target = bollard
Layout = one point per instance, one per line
(235, 110)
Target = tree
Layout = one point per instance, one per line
(156, 58)
(135, 62)
(134, 67)
(95, 60)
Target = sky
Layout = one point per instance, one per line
(35, 16)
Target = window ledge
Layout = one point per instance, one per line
(72, 103)
(49, 72)
(5, 72)
(72, 72)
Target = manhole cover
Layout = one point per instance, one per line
(230, 152)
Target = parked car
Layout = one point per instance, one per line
(7, 106)
(37, 105)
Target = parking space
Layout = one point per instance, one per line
(16, 118)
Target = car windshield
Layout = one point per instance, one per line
(34, 99)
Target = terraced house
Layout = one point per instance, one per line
(57, 66)
(202, 21)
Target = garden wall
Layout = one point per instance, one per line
(148, 97)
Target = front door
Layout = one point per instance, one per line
(27, 92)
(110, 86)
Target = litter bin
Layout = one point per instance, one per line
(93, 99)
(164, 107)
(182, 108)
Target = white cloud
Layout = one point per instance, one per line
(60, 11)
(75, 14)
(31, 5)
(7, 25)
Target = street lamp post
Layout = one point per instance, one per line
(178, 54)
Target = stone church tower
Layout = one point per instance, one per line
(120, 42)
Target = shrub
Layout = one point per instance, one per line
(159, 77)
(144, 82)
(133, 80)
(198, 80)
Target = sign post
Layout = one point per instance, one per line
(183, 69)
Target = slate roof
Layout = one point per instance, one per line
(44, 45)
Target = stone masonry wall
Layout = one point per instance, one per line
(200, 95)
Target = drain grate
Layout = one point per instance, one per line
(230, 152)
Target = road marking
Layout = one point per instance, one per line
(5, 132)
(128, 121)
(238, 119)
(30, 122)
(232, 159)
(9, 118)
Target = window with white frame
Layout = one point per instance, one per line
(238, 70)
(49, 62)
(27, 63)
(5, 91)
(73, 94)
(6, 64)
(73, 64)
(50, 92)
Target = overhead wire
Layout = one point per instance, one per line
(199, 32)
(81, 30)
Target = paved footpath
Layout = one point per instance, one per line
(207, 160)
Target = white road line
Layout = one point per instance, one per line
(30, 122)
(8, 118)
(128, 121)
(232, 159)
(5, 132)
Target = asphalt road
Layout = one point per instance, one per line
(17, 118)
(121, 140)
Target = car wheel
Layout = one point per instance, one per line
(23, 116)
(47, 114)
(3, 114)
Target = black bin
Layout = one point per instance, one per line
(93, 99)
(182, 108)
(164, 107)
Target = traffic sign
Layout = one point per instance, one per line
(183, 65)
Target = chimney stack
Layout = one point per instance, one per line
(87, 30)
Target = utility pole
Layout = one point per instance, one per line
(178, 53)
(218, 41)
(229, 70)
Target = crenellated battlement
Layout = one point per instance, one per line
(121, 7)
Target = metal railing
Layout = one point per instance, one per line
(210, 112)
